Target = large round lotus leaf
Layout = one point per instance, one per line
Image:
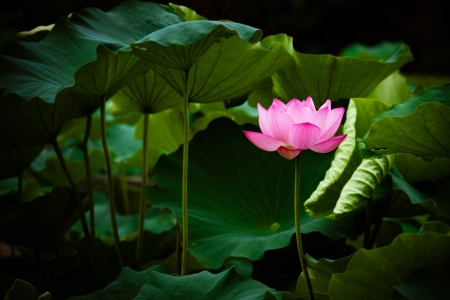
(329, 77)
(13, 161)
(126, 23)
(350, 180)
(419, 198)
(145, 93)
(181, 45)
(30, 123)
(83, 105)
(185, 12)
(420, 126)
(48, 165)
(45, 68)
(373, 274)
(415, 169)
(156, 221)
(125, 287)
(204, 285)
(25, 291)
(240, 198)
(231, 69)
(380, 52)
(107, 74)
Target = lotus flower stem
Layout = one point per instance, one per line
(62, 161)
(367, 232)
(124, 188)
(112, 203)
(184, 184)
(143, 203)
(297, 228)
(87, 165)
(177, 248)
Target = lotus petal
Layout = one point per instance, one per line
(328, 145)
(288, 153)
(262, 141)
(304, 135)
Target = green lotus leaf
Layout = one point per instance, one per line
(31, 123)
(185, 12)
(145, 93)
(165, 136)
(181, 45)
(373, 274)
(126, 23)
(329, 77)
(422, 284)
(125, 287)
(419, 126)
(241, 114)
(25, 291)
(8, 185)
(350, 181)
(320, 271)
(380, 52)
(47, 163)
(419, 198)
(435, 226)
(107, 74)
(231, 69)
(122, 144)
(204, 285)
(46, 68)
(156, 221)
(362, 184)
(240, 197)
(392, 90)
(13, 161)
(39, 224)
(83, 105)
(414, 169)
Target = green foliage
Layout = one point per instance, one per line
(230, 69)
(350, 180)
(204, 285)
(31, 123)
(417, 126)
(373, 274)
(329, 77)
(140, 55)
(44, 69)
(127, 286)
(240, 211)
(22, 290)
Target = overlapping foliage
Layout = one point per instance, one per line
(394, 163)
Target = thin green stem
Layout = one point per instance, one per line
(297, 228)
(177, 248)
(20, 187)
(87, 165)
(112, 203)
(367, 231)
(124, 188)
(62, 161)
(143, 203)
(184, 184)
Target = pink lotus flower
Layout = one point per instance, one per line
(295, 126)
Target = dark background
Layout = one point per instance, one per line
(318, 27)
